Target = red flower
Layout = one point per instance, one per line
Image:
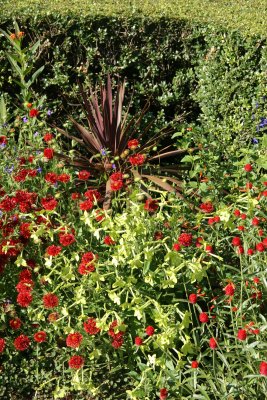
(163, 394)
(209, 248)
(241, 228)
(176, 247)
(255, 221)
(87, 264)
(76, 362)
(133, 144)
(151, 205)
(90, 326)
(116, 176)
(84, 175)
(3, 140)
(263, 368)
(15, 323)
(229, 289)
(158, 235)
(207, 207)
(243, 216)
(237, 213)
(49, 203)
(24, 299)
(194, 364)
(192, 298)
(236, 241)
(75, 196)
(185, 239)
(109, 241)
(66, 239)
(137, 159)
(213, 343)
(92, 194)
(138, 341)
(53, 250)
(2, 345)
(50, 300)
(117, 342)
(64, 178)
(250, 252)
(51, 177)
(203, 317)
(48, 137)
(248, 168)
(240, 250)
(48, 153)
(86, 205)
(150, 330)
(116, 185)
(241, 334)
(40, 337)
(22, 342)
(74, 340)
(33, 113)
(260, 247)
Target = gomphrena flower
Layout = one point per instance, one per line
(163, 394)
(194, 364)
(138, 341)
(150, 330)
(263, 368)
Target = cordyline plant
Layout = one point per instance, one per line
(112, 144)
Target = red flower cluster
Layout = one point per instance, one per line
(84, 175)
(90, 326)
(49, 203)
(117, 338)
(50, 300)
(40, 337)
(185, 239)
(87, 263)
(137, 159)
(2, 345)
(15, 323)
(133, 144)
(53, 250)
(74, 340)
(76, 362)
(207, 207)
(22, 343)
(66, 239)
(48, 153)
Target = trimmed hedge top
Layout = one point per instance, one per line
(248, 16)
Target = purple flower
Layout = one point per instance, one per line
(25, 119)
(39, 170)
(254, 141)
(49, 112)
(113, 166)
(36, 134)
(103, 152)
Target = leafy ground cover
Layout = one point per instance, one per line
(247, 16)
(160, 295)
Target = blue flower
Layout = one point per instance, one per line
(103, 152)
(39, 170)
(254, 141)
